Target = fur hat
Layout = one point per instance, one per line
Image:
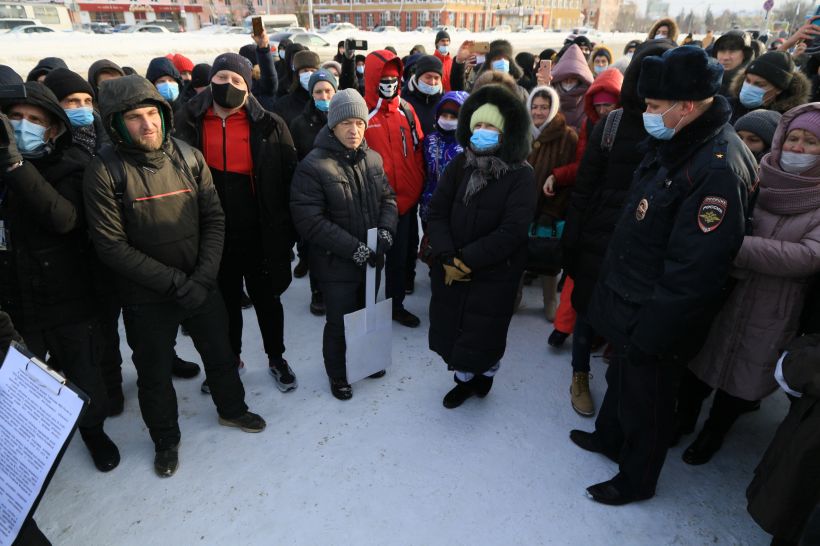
(776, 67)
(306, 59)
(683, 73)
(498, 49)
(332, 64)
(629, 89)
(517, 141)
(761, 122)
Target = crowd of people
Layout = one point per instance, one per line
(668, 202)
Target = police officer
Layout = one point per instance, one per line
(667, 268)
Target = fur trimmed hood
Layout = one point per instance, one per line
(673, 29)
(600, 50)
(796, 94)
(516, 140)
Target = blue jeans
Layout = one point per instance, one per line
(582, 338)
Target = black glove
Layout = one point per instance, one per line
(9, 154)
(637, 357)
(384, 242)
(364, 256)
(191, 295)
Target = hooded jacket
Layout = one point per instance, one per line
(609, 81)
(596, 53)
(166, 223)
(389, 133)
(469, 320)
(45, 276)
(284, 68)
(440, 148)
(447, 66)
(423, 104)
(670, 23)
(796, 94)
(573, 64)
(99, 66)
(338, 194)
(44, 66)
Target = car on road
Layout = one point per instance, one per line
(500, 28)
(234, 30)
(531, 28)
(338, 27)
(123, 27)
(152, 29)
(101, 28)
(423, 29)
(8, 24)
(31, 29)
(309, 39)
(386, 28)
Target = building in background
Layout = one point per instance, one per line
(601, 14)
(657, 9)
(472, 15)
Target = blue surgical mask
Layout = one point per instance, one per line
(281, 54)
(360, 69)
(304, 79)
(80, 117)
(322, 105)
(30, 137)
(653, 123)
(751, 96)
(428, 89)
(168, 90)
(797, 163)
(501, 65)
(599, 69)
(443, 49)
(484, 140)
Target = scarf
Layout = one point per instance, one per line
(785, 193)
(86, 138)
(572, 105)
(485, 169)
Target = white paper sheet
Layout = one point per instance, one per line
(37, 415)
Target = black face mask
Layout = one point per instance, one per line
(227, 96)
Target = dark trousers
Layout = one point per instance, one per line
(75, 349)
(111, 359)
(412, 244)
(725, 407)
(638, 409)
(30, 535)
(396, 266)
(582, 338)
(303, 248)
(151, 331)
(341, 298)
(246, 261)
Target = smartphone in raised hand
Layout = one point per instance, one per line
(258, 28)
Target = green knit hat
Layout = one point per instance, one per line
(490, 114)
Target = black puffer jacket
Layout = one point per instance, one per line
(469, 320)
(168, 224)
(424, 105)
(602, 185)
(666, 271)
(274, 161)
(45, 278)
(292, 104)
(338, 194)
(305, 128)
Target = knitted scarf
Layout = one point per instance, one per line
(86, 138)
(785, 193)
(485, 169)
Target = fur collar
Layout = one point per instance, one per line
(796, 94)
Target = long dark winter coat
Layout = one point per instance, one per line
(45, 277)
(338, 194)
(305, 128)
(469, 320)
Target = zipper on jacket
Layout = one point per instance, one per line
(224, 146)
(403, 142)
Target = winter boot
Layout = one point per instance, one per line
(103, 451)
(406, 318)
(166, 461)
(549, 285)
(588, 441)
(460, 393)
(247, 422)
(184, 369)
(340, 388)
(704, 447)
(282, 374)
(301, 268)
(557, 339)
(481, 385)
(579, 394)
(317, 303)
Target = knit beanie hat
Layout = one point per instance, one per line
(322, 76)
(761, 122)
(442, 35)
(332, 64)
(683, 73)
(201, 75)
(306, 59)
(182, 63)
(359, 58)
(159, 67)
(8, 76)
(776, 67)
(346, 104)
(808, 121)
(235, 63)
(603, 52)
(44, 66)
(249, 52)
(604, 97)
(487, 113)
(429, 63)
(64, 82)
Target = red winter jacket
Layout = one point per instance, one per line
(447, 62)
(388, 133)
(610, 81)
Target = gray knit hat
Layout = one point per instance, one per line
(346, 104)
(760, 122)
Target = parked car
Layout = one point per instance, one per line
(336, 27)
(31, 29)
(531, 28)
(500, 28)
(8, 24)
(234, 30)
(101, 28)
(153, 29)
(423, 29)
(386, 28)
(123, 27)
(311, 40)
(170, 26)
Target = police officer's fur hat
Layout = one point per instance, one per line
(683, 73)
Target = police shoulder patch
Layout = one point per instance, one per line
(711, 212)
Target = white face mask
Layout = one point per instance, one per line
(567, 86)
(479, 59)
(795, 163)
(447, 124)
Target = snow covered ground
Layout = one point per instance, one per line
(79, 50)
(392, 466)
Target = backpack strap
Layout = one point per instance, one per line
(190, 166)
(411, 119)
(613, 120)
(112, 162)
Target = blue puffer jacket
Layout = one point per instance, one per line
(440, 147)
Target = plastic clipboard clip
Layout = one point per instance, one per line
(51, 372)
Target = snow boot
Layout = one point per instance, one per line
(103, 451)
(184, 369)
(282, 374)
(317, 304)
(481, 385)
(340, 388)
(557, 339)
(459, 394)
(406, 318)
(166, 461)
(579, 394)
(589, 442)
(247, 422)
(549, 285)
